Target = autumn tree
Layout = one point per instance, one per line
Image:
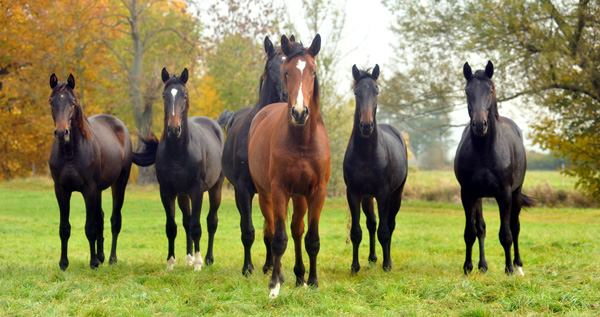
(544, 53)
(41, 38)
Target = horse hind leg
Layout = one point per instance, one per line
(297, 228)
(183, 201)
(312, 240)
(118, 194)
(212, 220)
(92, 206)
(243, 199)
(515, 229)
(369, 210)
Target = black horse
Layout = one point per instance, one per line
(87, 156)
(188, 163)
(490, 162)
(375, 166)
(235, 151)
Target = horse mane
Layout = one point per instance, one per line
(363, 74)
(81, 122)
(296, 49)
(174, 80)
(480, 74)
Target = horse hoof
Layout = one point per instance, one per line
(387, 268)
(171, 263)
(267, 268)
(100, 258)
(274, 291)
(209, 260)
(300, 281)
(509, 270)
(198, 262)
(467, 268)
(519, 271)
(313, 282)
(63, 265)
(354, 269)
(248, 270)
(373, 259)
(189, 259)
(112, 261)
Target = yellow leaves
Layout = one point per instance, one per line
(206, 101)
(408, 151)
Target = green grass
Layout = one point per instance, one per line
(559, 247)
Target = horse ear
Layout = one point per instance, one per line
(355, 72)
(315, 46)
(376, 71)
(489, 69)
(165, 75)
(285, 45)
(184, 76)
(292, 38)
(53, 81)
(269, 49)
(467, 71)
(71, 81)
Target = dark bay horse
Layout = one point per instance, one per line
(490, 162)
(188, 163)
(289, 157)
(375, 166)
(88, 156)
(235, 151)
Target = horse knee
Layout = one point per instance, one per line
(116, 223)
(312, 243)
(248, 236)
(171, 230)
(279, 243)
(65, 232)
(196, 231)
(212, 223)
(383, 234)
(91, 232)
(505, 238)
(356, 236)
(470, 234)
(371, 224)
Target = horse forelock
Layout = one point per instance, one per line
(80, 121)
(363, 74)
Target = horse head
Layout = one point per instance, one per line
(65, 108)
(365, 92)
(481, 98)
(175, 97)
(271, 78)
(300, 78)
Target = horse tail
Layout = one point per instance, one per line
(225, 119)
(527, 201)
(147, 156)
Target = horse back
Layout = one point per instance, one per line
(235, 150)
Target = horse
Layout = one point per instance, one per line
(87, 156)
(289, 157)
(375, 166)
(235, 151)
(188, 163)
(490, 162)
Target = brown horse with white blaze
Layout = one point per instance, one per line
(289, 157)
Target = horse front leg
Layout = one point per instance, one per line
(92, 202)
(481, 229)
(280, 239)
(266, 207)
(183, 200)
(63, 198)
(212, 219)
(312, 240)
(470, 229)
(297, 228)
(504, 200)
(100, 225)
(369, 210)
(168, 201)
(196, 228)
(355, 230)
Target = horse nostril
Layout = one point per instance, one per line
(66, 132)
(55, 133)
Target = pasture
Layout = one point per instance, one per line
(559, 247)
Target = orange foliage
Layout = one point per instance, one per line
(205, 100)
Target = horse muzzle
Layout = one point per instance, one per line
(479, 127)
(366, 128)
(62, 135)
(299, 117)
(174, 131)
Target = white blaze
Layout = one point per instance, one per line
(300, 99)
(174, 93)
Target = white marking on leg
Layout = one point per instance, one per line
(171, 263)
(189, 259)
(275, 291)
(174, 93)
(519, 271)
(198, 262)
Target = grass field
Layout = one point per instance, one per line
(560, 251)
